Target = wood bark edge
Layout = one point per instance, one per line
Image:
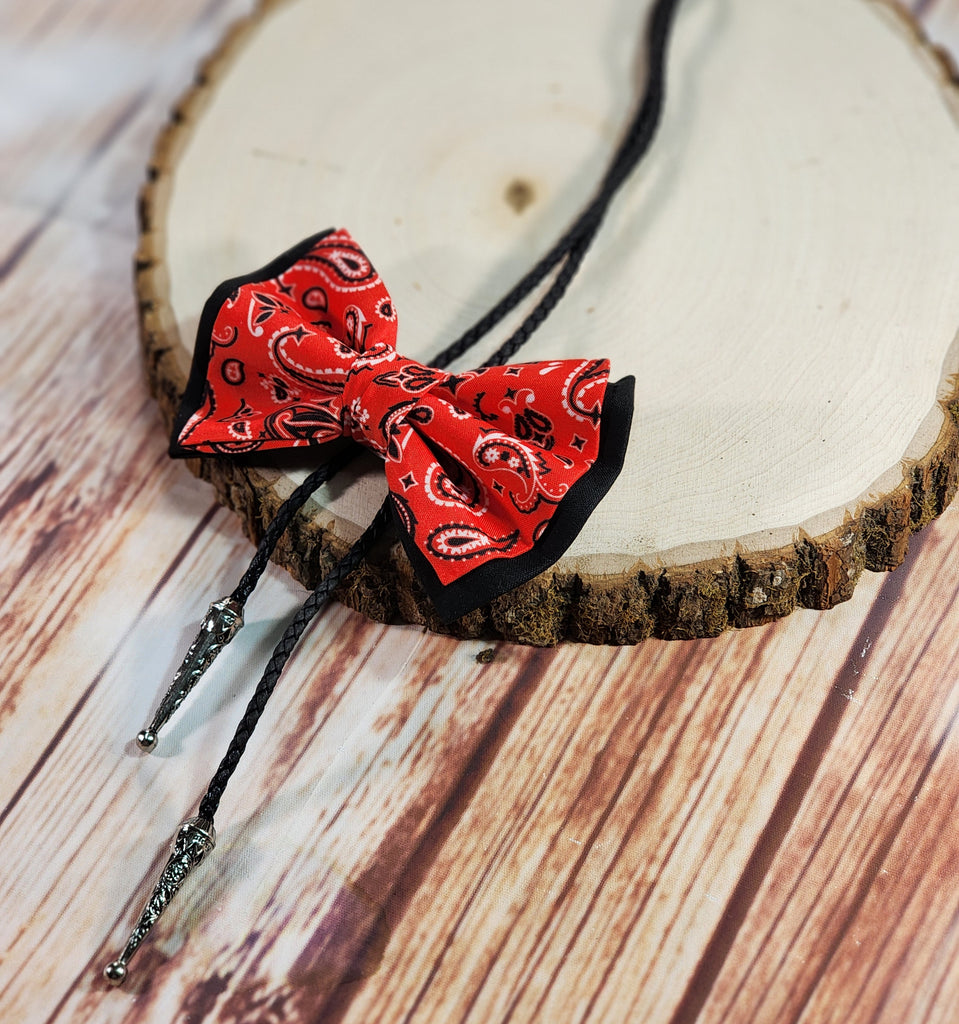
(673, 602)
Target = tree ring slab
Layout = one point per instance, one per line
(779, 275)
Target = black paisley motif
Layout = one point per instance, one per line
(581, 382)
(501, 453)
(233, 372)
(346, 264)
(530, 465)
(314, 423)
(389, 427)
(531, 425)
(405, 514)
(233, 448)
(530, 504)
(390, 421)
(357, 328)
(239, 430)
(286, 348)
(224, 340)
(454, 484)
(458, 542)
(315, 298)
(242, 437)
(279, 390)
(421, 414)
(412, 378)
(487, 417)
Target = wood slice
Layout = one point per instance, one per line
(780, 275)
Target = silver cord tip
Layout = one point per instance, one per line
(146, 740)
(115, 973)
(194, 839)
(223, 620)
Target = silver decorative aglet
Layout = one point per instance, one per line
(193, 841)
(223, 620)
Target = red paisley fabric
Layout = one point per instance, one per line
(477, 462)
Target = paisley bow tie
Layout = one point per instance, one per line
(492, 472)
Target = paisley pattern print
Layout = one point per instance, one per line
(476, 461)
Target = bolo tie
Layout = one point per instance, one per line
(491, 472)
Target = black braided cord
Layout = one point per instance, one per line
(284, 516)
(281, 654)
(572, 245)
(567, 254)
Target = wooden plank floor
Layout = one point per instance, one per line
(757, 828)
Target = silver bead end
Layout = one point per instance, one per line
(115, 973)
(146, 740)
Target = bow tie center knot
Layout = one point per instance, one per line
(382, 388)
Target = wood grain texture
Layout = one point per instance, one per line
(692, 589)
(755, 828)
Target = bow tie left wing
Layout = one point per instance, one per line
(273, 349)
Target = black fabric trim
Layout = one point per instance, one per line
(492, 579)
(193, 395)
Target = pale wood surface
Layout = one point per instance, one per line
(756, 828)
(777, 274)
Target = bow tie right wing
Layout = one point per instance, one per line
(495, 472)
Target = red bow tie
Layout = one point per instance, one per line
(491, 472)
